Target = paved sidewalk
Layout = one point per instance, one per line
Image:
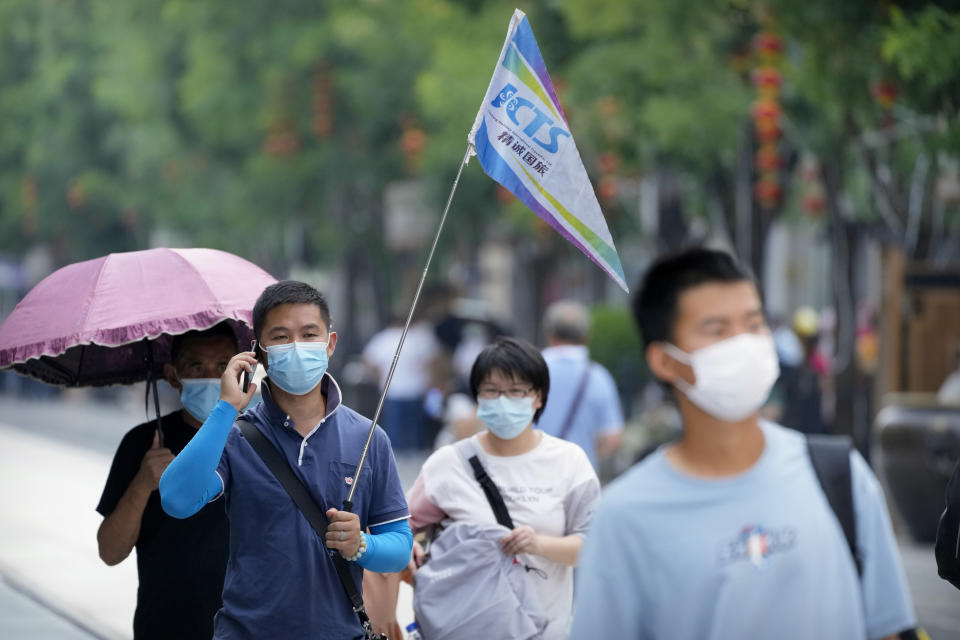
(936, 601)
(48, 541)
(25, 617)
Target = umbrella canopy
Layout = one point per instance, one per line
(111, 320)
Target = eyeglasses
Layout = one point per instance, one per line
(491, 393)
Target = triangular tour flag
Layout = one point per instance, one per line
(523, 142)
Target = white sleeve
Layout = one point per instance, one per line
(886, 598)
(580, 501)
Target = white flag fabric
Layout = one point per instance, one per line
(522, 141)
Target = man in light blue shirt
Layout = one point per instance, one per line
(727, 533)
(584, 407)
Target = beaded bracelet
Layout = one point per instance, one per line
(360, 551)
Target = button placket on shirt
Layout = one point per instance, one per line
(305, 442)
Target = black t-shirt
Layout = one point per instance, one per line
(181, 563)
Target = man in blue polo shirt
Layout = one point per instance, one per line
(584, 406)
(280, 582)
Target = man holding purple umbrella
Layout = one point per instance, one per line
(180, 563)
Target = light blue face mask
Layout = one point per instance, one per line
(506, 417)
(297, 367)
(199, 396)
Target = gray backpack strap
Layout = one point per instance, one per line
(577, 399)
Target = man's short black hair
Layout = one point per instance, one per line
(517, 359)
(655, 303)
(221, 329)
(288, 292)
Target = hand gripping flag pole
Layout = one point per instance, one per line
(348, 503)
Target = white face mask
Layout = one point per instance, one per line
(733, 377)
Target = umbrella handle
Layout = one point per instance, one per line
(152, 383)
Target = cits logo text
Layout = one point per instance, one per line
(514, 103)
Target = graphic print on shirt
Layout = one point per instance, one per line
(525, 493)
(755, 544)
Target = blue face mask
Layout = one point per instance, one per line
(199, 396)
(506, 417)
(297, 367)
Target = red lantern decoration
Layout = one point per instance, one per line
(767, 80)
(766, 113)
(282, 140)
(607, 188)
(767, 158)
(76, 195)
(885, 93)
(768, 192)
(813, 204)
(768, 131)
(768, 44)
(412, 141)
(322, 101)
(503, 195)
(766, 109)
(608, 162)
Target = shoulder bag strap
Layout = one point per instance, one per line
(577, 399)
(311, 511)
(486, 483)
(830, 456)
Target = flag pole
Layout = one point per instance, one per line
(348, 503)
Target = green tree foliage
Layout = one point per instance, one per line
(269, 127)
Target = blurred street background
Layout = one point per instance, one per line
(818, 141)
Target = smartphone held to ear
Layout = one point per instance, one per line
(247, 375)
(245, 382)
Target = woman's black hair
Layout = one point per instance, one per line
(516, 359)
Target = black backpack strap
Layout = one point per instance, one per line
(830, 456)
(311, 511)
(492, 493)
(577, 399)
(947, 547)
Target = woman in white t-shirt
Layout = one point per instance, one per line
(548, 484)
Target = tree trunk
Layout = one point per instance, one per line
(846, 378)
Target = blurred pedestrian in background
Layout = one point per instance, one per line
(180, 563)
(459, 420)
(727, 533)
(802, 393)
(584, 406)
(403, 413)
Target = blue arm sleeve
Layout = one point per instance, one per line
(191, 480)
(388, 547)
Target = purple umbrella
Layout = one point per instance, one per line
(111, 320)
